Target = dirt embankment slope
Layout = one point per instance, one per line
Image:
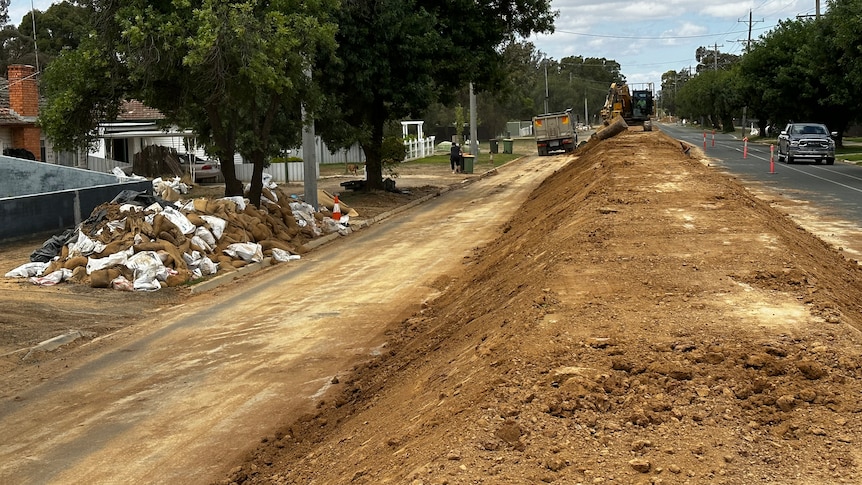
(643, 319)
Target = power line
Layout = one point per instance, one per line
(648, 37)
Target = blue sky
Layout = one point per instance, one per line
(650, 37)
(647, 37)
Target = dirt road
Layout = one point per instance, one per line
(183, 395)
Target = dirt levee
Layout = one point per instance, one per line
(643, 319)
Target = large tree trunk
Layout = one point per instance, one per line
(254, 193)
(727, 123)
(374, 148)
(225, 143)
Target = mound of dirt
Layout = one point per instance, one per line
(643, 319)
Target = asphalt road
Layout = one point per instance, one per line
(835, 190)
(180, 397)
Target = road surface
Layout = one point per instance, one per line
(179, 397)
(835, 189)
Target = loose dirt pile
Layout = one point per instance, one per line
(643, 319)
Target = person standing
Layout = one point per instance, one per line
(456, 157)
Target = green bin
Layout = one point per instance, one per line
(468, 163)
(494, 146)
(507, 146)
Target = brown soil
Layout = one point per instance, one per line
(32, 315)
(643, 319)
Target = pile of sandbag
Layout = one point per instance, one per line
(145, 245)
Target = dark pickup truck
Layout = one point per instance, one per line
(806, 141)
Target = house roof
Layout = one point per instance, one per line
(8, 116)
(134, 110)
(4, 93)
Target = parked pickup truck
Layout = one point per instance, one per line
(806, 141)
(554, 132)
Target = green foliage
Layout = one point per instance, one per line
(396, 57)
(232, 71)
(460, 121)
(83, 87)
(712, 95)
(808, 70)
(393, 149)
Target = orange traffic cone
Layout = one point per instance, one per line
(336, 210)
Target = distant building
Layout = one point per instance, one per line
(19, 109)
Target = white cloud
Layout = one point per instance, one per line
(19, 8)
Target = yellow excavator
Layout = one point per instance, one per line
(635, 106)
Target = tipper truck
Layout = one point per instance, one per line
(554, 132)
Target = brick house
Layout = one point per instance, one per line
(19, 109)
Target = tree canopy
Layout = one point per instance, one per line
(396, 57)
(802, 70)
(234, 72)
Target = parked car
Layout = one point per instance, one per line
(806, 141)
(201, 169)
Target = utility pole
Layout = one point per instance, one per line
(715, 57)
(816, 12)
(750, 23)
(546, 85)
(309, 156)
(586, 111)
(474, 141)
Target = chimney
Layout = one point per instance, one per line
(23, 91)
(24, 100)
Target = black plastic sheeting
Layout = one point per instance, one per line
(53, 246)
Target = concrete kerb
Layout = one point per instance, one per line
(227, 278)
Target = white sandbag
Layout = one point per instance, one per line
(217, 225)
(197, 241)
(148, 268)
(95, 264)
(122, 284)
(28, 270)
(304, 215)
(130, 208)
(193, 259)
(84, 246)
(206, 235)
(53, 278)
(207, 266)
(248, 252)
(179, 219)
(282, 256)
(238, 200)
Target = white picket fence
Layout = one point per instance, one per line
(295, 171)
(419, 148)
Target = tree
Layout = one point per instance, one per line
(396, 57)
(712, 59)
(234, 72)
(62, 26)
(712, 95)
(671, 83)
(799, 71)
(4, 11)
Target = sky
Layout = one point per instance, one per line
(647, 37)
(651, 37)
